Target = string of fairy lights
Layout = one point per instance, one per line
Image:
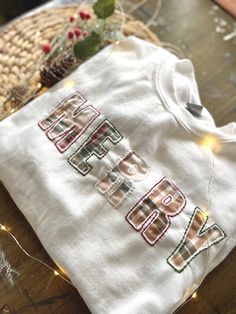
(56, 272)
(210, 143)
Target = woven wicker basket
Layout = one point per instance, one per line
(22, 40)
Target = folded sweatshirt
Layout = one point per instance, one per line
(128, 187)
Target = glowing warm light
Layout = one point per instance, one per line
(69, 84)
(210, 142)
(37, 34)
(205, 214)
(56, 273)
(194, 295)
(3, 228)
(62, 270)
(39, 85)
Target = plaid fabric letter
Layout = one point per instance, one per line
(119, 181)
(94, 145)
(68, 121)
(152, 213)
(195, 240)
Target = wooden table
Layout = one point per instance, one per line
(197, 28)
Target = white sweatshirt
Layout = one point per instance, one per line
(114, 175)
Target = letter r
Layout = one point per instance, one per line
(152, 213)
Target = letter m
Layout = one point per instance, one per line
(68, 121)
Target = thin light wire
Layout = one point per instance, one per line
(209, 188)
(211, 178)
(152, 18)
(155, 14)
(119, 5)
(32, 257)
(151, 21)
(137, 6)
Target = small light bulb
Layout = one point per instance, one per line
(69, 84)
(3, 228)
(194, 295)
(56, 273)
(37, 34)
(62, 270)
(211, 143)
(205, 214)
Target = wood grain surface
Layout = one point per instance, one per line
(197, 27)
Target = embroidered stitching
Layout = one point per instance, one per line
(153, 212)
(151, 215)
(94, 146)
(68, 121)
(117, 183)
(167, 200)
(188, 249)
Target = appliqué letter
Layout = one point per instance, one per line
(117, 183)
(68, 121)
(152, 213)
(195, 240)
(94, 145)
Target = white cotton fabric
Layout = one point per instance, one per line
(143, 91)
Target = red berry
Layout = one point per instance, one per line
(70, 35)
(77, 32)
(87, 16)
(85, 33)
(82, 15)
(47, 48)
(72, 18)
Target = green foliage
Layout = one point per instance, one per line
(104, 8)
(87, 47)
